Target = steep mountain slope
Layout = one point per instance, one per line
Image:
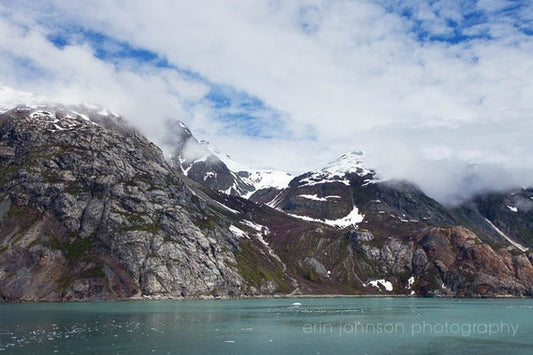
(348, 188)
(89, 209)
(506, 216)
(398, 227)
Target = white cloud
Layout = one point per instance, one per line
(348, 74)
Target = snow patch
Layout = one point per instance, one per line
(336, 171)
(227, 208)
(261, 232)
(512, 208)
(199, 160)
(348, 163)
(257, 227)
(322, 177)
(316, 198)
(275, 201)
(313, 197)
(258, 178)
(382, 282)
(410, 282)
(233, 187)
(263, 179)
(210, 174)
(60, 119)
(515, 244)
(238, 232)
(351, 219)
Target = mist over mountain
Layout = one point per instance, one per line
(90, 209)
(445, 173)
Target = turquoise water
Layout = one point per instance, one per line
(271, 326)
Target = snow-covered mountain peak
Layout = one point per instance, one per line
(258, 178)
(44, 108)
(336, 171)
(348, 163)
(202, 162)
(11, 98)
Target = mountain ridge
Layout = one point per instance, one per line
(200, 161)
(91, 210)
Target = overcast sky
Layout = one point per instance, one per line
(438, 92)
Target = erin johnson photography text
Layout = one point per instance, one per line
(413, 329)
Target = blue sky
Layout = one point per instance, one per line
(237, 111)
(421, 86)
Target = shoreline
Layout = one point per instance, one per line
(262, 297)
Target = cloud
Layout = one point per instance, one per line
(305, 81)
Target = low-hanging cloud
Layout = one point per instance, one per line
(432, 92)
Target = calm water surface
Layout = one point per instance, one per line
(271, 326)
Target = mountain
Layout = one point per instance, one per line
(197, 162)
(394, 223)
(200, 162)
(321, 194)
(347, 187)
(91, 210)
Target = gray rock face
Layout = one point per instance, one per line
(95, 212)
(314, 266)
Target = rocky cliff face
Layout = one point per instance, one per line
(90, 209)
